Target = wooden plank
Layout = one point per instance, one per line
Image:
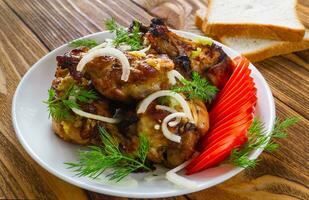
(20, 176)
(287, 85)
(57, 22)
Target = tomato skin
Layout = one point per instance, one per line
(216, 153)
(241, 69)
(230, 118)
(249, 98)
(242, 110)
(227, 129)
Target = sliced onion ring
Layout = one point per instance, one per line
(173, 177)
(96, 117)
(167, 133)
(107, 43)
(108, 51)
(145, 103)
(172, 75)
(171, 110)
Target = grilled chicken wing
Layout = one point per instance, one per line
(208, 60)
(78, 129)
(148, 74)
(165, 151)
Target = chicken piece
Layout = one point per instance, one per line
(148, 74)
(208, 60)
(85, 131)
(78, 129)
(167, 152)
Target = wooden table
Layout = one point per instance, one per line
(30, 29)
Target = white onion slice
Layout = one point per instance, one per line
(102, 45)
(168, 134)
(96, 117)
(173, 177)
(172, 75)
(166, 108)
(124, 47)
(171, 110)
(145, 103)
(144, 50)
(107, 43)
(108, 51)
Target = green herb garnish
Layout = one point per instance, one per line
(60, 107)
(196, 53)
(83, 43)
(123, 36)
(258, 139)
(96, 160)
(198, 88)
(203, 41)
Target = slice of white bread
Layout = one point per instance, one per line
(266, 19)
(257, 49)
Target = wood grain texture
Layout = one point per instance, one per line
(20, 176)
(29, 29)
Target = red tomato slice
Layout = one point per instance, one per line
(213, 135)
(239, 72)
(243, 90)
(243, 109)
(217, 136)
(240, 81)
(247, 83)
(222, 114)
(216, 153)
(249, 98)
(240, 118)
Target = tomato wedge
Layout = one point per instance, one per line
(249, 98)
(246, 108)
(216, 153)
(226, 128)
(230, 118)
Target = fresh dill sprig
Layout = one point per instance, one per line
(258, 139)
(132, 39)
(60, 107)
(198, 88)
(83, 43)
(96, 160)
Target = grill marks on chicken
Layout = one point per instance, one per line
(148, 74)
(165, 151)
(211, 61)
(78, 129)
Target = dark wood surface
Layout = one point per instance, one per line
(31, 28)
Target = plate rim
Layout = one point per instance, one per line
(119, 193)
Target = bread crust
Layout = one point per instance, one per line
(275, 50)
(262, 31)
(263, 53)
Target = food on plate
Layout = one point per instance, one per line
(150, 97)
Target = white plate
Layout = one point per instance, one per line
(33, 129)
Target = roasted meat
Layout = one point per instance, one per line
(165, 151)
(78, 129)
(148, 74)
(209, 60)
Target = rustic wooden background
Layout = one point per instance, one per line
(29, 29)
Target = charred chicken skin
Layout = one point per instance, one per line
(165, 151)
(209, 60)
(148, 74)
(78, 129)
